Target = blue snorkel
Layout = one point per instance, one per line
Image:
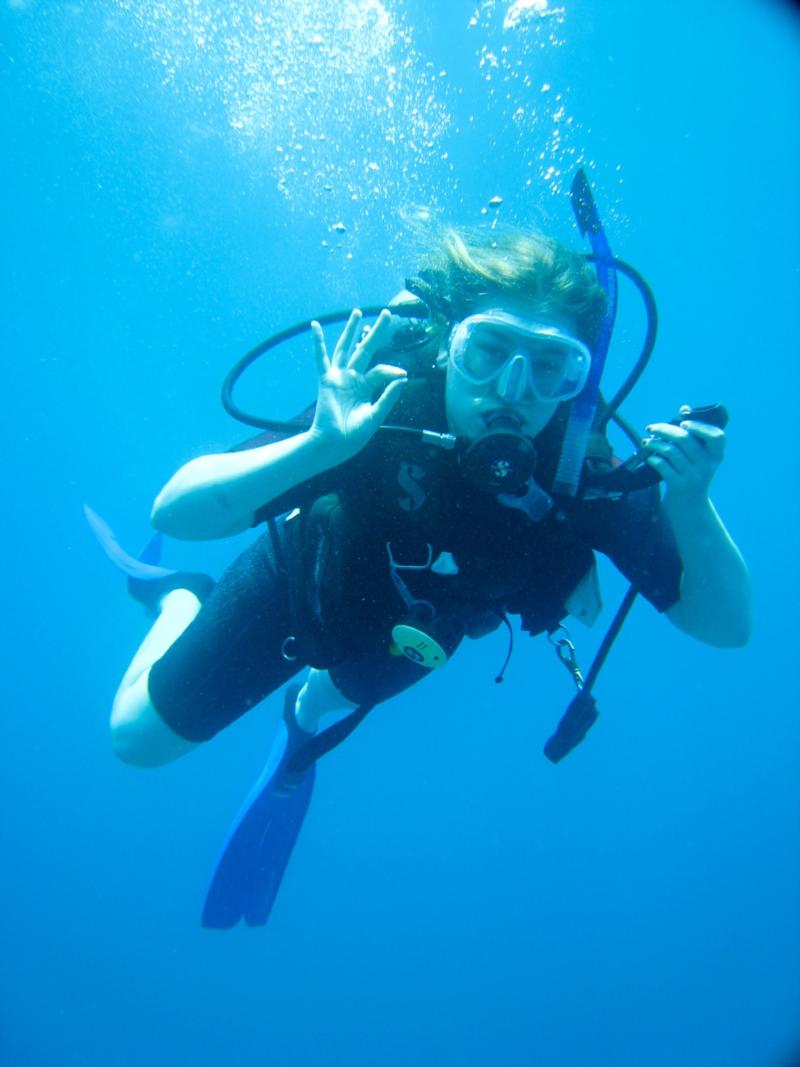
(584, 407)
(582, 712)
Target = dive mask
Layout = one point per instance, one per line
(520, 355)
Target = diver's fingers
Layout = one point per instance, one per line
(712, 437)
(671, 453)
(347, 340)
(387, 400)
(665, 431)
(676, 438)
(383, 374)
(321, 360)
(680, 481)
(364, 350)
(703, 448)
(684, 463)
(664, 468)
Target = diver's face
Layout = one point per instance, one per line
(471, 407)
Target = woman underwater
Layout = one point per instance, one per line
(383, 549)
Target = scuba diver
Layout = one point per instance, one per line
(451, 473)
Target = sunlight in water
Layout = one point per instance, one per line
(333, 94)
(519, 43)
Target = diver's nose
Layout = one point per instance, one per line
(512, 384)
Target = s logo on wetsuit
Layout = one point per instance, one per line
(407, 478)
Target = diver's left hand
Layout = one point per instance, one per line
(686, 456)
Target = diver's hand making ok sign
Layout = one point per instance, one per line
(346, 415)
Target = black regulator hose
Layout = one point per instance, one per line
(291, 426)
(651, 311)
(247, 360)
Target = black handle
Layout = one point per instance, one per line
(635, 473)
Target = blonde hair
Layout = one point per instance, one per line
(467, 266)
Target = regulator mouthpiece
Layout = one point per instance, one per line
(503, 459)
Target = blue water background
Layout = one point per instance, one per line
(454, 898)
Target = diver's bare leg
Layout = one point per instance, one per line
(139, 735)
(317, 697)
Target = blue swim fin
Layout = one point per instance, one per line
(148, 581)
(256, 851)
(145, 567)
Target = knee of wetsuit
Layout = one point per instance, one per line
(151, 591)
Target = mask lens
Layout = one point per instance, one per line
(557, 365)
(556, 369)
(484, 352)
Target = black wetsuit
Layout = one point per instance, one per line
(415, 499)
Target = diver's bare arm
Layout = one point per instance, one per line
(715, 599)
(218, 495)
